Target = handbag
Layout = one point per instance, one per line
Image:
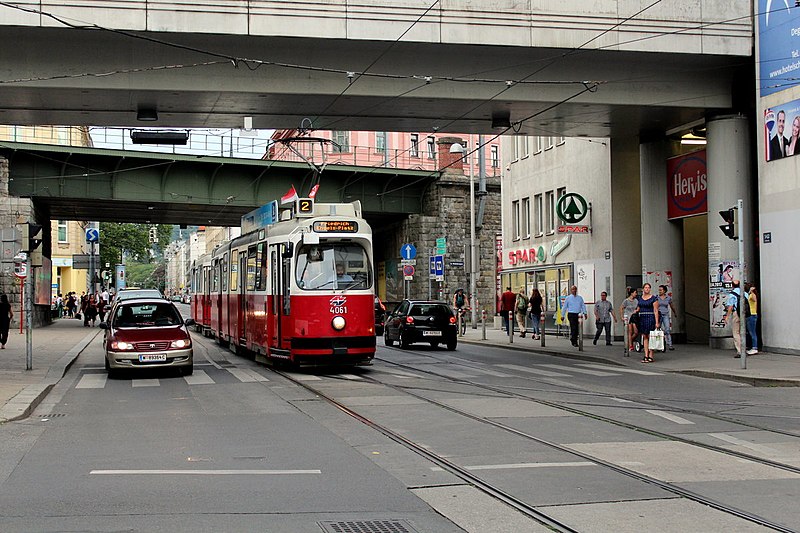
(657, 339)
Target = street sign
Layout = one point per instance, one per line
(408, 262)
(432, 267)
(408, 272)
(459, 264)
(408, 251)
(21, 269)
(441, 245)
(92, 235)
(80, 261)
(572, 208)
(439, 268)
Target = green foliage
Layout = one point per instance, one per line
(131, 240)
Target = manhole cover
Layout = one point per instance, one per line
(367, 526)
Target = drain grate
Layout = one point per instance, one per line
(367, 526)
(54, 415)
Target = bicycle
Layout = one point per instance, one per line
(461, 320)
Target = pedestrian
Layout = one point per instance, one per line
(648, 319)
(751, 316)
(521, 310)
(71, 304)
(574, 309)
(536, 313)
(665, 307)
(732, 316)
(603, 313)
(6, 314)
(60, 305)
(101, 307)
(507, 300)
(629, 316)
(90, 311)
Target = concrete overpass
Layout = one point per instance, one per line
(126, 186)
(603, 68)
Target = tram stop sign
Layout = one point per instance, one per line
(572, 208)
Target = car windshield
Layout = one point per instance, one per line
(146, 314)
(435, 310)
(334, 266)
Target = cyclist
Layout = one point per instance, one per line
(459, 304)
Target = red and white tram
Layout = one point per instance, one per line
(298, 289)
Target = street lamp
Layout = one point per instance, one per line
(457, 148)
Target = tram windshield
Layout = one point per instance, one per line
(334, 266)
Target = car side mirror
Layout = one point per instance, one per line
(102, 325)
(189, 322)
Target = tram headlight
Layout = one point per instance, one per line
(338, 323)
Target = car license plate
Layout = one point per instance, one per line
(431, 333)
(153, 358)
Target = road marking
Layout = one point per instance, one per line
(92, 381)
(621, 400)
(522, 465)
(399, 373)
(303, 377)
(537, 371)
(451, 373)
(670, 417)
(245, 375)
(490, 372)
(745, 444)
(198, 378)
(350, 376)
(203, 472)
(145, 383)
(620, 369)
(580, 370)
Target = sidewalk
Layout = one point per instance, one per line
(55, 347)
(763, 369)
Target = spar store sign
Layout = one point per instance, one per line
(527, 256)
(687, 185)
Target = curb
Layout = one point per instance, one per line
(543, 351)
(21, 405)
(755, 382)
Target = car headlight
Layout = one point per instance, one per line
(121, 345)
(182, 343)
(338, 323)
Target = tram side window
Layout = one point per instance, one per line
(261, 273)
(225, 273)
(215, 276)
(251, 268)
(234, 270)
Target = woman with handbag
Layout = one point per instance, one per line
(536, 313)
(648, 319)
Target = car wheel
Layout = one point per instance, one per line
(404, 341)
(451, 345)
(386, 340)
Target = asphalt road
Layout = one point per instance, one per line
(238, 447)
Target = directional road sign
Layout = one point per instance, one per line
(441, 245)
(92, 234)
(408, 251)
(432, 268)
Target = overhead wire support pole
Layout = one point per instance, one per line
(742, 325)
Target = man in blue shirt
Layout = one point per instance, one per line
(574, 307)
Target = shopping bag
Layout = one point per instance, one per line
(656, 339)
(78, 316)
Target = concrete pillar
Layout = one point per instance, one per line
(729, 178)
(626, 238)
(662, 240)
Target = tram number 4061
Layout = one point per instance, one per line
(338, 309)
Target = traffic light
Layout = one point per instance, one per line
(31, 236)
(153, 235)
(730, 228)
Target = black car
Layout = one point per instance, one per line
(380, 316)
(421, 321)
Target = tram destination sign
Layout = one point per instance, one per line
(335, 226)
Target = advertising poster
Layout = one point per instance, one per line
(782, 130)
(720, 283)
(687, 185)
(43, 277)
(657, 278)
(778, 45)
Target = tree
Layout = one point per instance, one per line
(132, 240)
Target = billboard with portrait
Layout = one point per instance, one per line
(782, 130)
(778, 45)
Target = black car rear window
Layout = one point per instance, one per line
(435, 310)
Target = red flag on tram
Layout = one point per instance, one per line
(289, 197)
(313, 192)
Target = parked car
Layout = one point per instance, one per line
(380, 316)
(147, 333)
(421, 321)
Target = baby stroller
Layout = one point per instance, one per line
(637, 343)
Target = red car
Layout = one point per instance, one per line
(147, 333)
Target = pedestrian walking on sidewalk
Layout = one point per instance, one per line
(536, 313)
(6, 314)
(603, 313)
(521, 310)
(574, 309)
(665, 306)
(648, 319)
(90, 312)
(507, 300)
(751, 316)
(732, 316)
(629, 316)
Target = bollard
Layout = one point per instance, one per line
(483, 320)
(541, 328)
(580, 333)
(511, 327)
